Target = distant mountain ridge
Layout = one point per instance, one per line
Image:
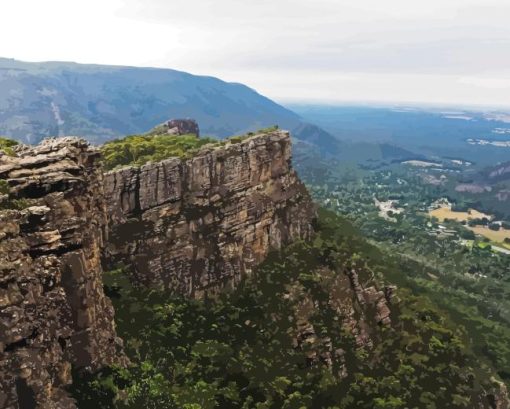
(498, 173)
(102, 102)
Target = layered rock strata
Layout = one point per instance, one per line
(193, 225)
(53, 312)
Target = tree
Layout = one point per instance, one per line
(494, 226)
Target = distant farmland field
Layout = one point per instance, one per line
(496, 236)
(443, 213)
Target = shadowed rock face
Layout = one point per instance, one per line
(361, 307)
(54, 313)
(193, 225)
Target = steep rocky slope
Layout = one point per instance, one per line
(315, 310)
(314, 327)
(188, 225)
(193, 224)
(53, 312)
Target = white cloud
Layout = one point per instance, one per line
(502, 84)
(433, 51)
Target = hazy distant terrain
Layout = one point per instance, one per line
(441, 133)
(464, 153)
(103, 102)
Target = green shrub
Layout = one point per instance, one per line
(141, 149)
(494, 226)
(6, 145)
(467, 234)
(4, 187)
(7, 202)
(236, 139)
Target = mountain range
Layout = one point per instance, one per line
(102, 102)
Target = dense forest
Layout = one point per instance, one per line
(459, 271)
(245, 347)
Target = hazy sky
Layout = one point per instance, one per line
(437, 51)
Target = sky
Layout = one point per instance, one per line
(435, 51)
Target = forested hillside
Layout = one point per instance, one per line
(281, 340)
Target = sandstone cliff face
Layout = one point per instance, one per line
(53, 312)
(194, 225)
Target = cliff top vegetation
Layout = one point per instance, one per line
(141, 149)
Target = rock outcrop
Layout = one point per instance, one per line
(361, 309)
(53, 312)
(187, 225)
(193, 225)
(498, 395)
(178, 127)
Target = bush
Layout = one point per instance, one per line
(467, 234)
(6, 145)
(460, 208)
(4, 187)
(478, 222)
(141, 149)
(236, 139)
(7, 202)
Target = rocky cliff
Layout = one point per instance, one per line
(187, 225)
(53, 312)
(193, 225)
